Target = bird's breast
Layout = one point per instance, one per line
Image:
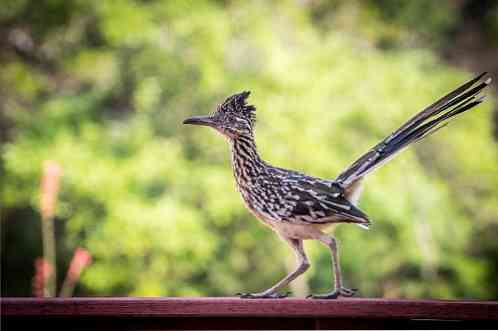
(259, 203)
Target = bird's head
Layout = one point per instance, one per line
(233, 118)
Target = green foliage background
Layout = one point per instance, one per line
(102, 87)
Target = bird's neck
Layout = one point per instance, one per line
(246, 162)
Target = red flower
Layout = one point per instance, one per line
(80, 260)
(43, 270)
(49, 188)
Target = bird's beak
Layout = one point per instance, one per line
(200, 120)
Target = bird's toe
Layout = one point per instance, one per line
(341, 292)
(263, 295)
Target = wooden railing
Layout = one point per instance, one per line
(234, 313)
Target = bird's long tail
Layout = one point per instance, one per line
(419, 126)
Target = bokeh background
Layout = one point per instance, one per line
(95, 92)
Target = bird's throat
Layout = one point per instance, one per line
(246, 163)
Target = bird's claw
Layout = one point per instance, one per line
(341, 292)
(263, 295)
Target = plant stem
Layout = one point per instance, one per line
(48, 238)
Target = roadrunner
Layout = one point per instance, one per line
(298, 206)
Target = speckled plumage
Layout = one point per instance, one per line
(298, 206)
(281, 195)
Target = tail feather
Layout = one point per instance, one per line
(425, 123)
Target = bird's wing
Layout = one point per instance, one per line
(311, 200)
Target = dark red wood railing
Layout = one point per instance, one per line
(234, 313)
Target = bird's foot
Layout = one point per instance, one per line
(340, 292)
(263, 295)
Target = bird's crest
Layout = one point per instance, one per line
(236, 104)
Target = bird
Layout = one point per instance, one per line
(301, 207)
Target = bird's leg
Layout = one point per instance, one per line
(303, 265)
(338, 289)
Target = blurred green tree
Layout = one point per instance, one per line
(102, 87)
